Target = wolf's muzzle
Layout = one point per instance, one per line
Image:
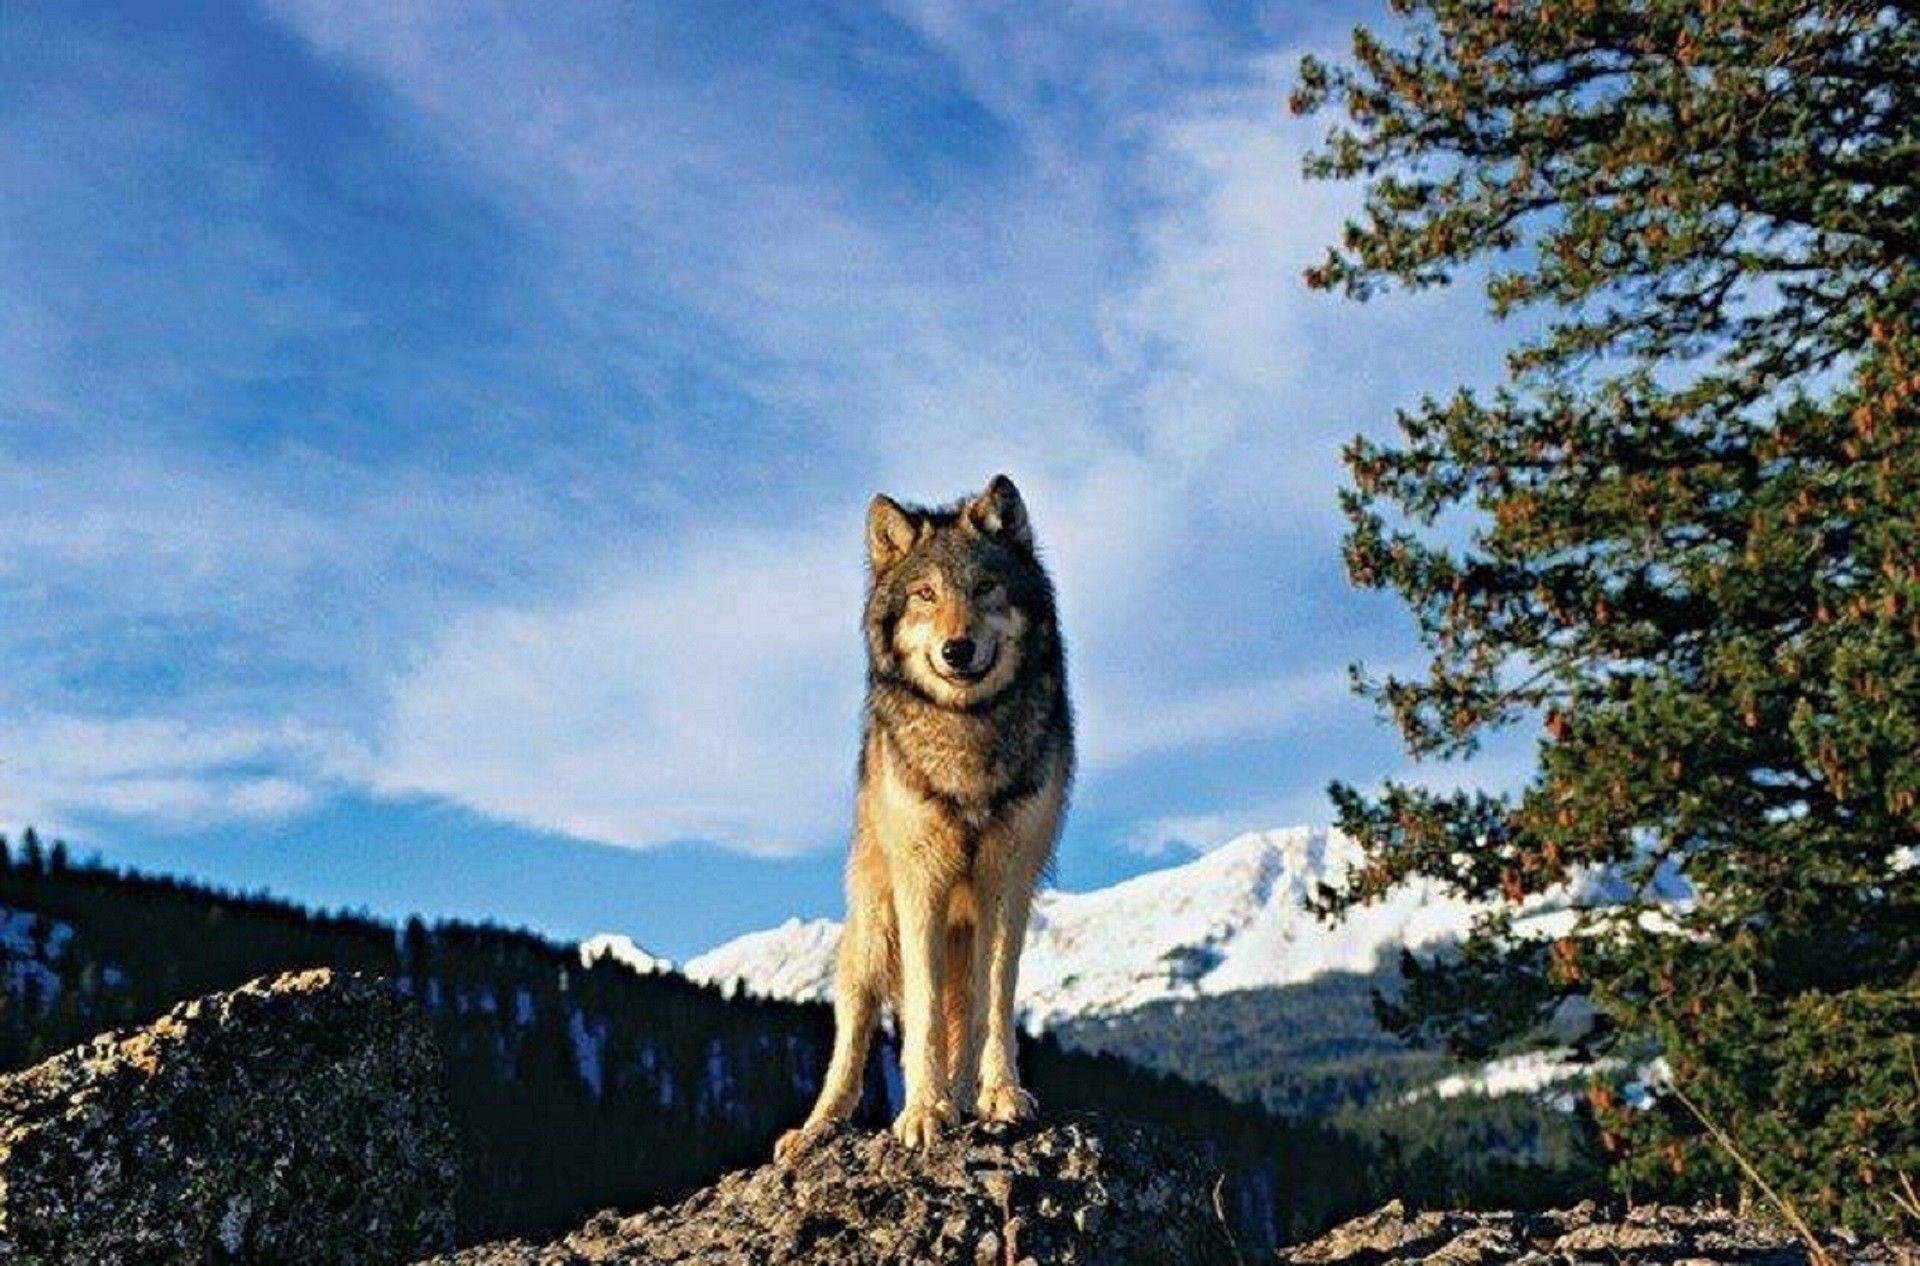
(958, 652)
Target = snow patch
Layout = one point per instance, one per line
(588, 1053)
(1525, 1073)
(794, 960)
(30, 945)
(624, 950)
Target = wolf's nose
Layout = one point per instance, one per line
(958, 652)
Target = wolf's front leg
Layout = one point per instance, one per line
(857, 983)
(963, 982)
(922, 948)
(1003, 935)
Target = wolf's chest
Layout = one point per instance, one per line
(972, 776)
(967, 780)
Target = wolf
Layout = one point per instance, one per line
(966, 756)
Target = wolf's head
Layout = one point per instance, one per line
(957, 602)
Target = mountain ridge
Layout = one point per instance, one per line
(1233, 918)
(1230, 919)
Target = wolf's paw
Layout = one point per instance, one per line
(1006, 1103)
(919, 1124)
(790, 1145)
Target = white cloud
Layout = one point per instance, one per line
(1222, 311)
(1111, 310)
(709, 689)
(711, 695)
(1507, 768)
(177, 773)
(1181, 834)
(1120, 726)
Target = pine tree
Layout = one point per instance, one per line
(32, 858)
(1682, 538)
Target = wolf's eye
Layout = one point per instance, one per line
(923, 594)
(986, 589)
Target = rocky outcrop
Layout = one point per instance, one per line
(295, 1119)
(300, 1119)
(1649, 1233)
(1077, 1190)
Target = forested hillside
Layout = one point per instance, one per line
(1311, 1049)
(1316, 1050)
(576, 1088)
(573, 1086)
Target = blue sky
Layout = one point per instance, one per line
(434, 437)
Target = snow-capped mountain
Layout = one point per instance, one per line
(1233, 918)
(622, 949)
(794, 960)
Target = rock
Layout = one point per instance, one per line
(295, 1119)
(1078, 1189)
(1650, 1233)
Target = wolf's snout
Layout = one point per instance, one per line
(958, 652)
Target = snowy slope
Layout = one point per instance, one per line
(794, 960)
(1526, 1073)
(1555, 1075)
(1229, 919)
(1233, 918)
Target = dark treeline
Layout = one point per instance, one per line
(1317, 1050)
(1311, 1049)
(577, 1088)
(573, 1088)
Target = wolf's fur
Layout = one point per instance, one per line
(963, 780)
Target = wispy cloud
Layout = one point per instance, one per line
(690, 698)
(567, 356)
(1181, 834)
(1121, 726)
(706, 696)
(55, 769)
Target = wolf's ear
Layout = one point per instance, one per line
(891, 532)
(999, 511)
